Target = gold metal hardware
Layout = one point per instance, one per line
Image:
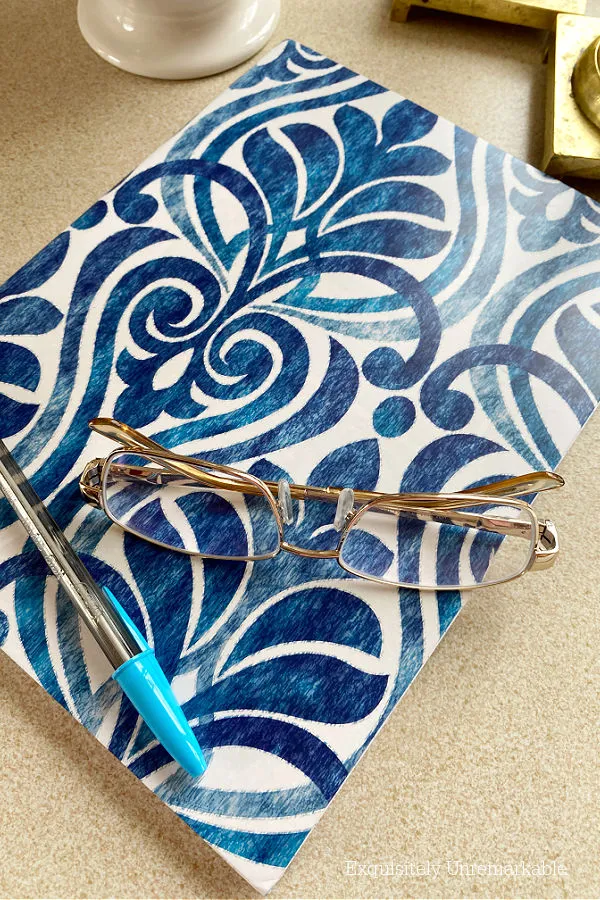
(531, 13)
(572, 141)
(586, 83)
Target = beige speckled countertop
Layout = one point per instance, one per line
(492, 757)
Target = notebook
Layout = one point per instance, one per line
(319, 280)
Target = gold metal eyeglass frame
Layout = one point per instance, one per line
(438, 507)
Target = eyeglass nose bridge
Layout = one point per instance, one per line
(308, 552)
(344, 513)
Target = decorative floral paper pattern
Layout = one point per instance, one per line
(316, 280)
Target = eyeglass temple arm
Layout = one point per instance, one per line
(124, 434)
(517, 486)
(133, 439)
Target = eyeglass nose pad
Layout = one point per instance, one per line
(345, 505)
(284, 501)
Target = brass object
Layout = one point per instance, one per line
(586, 83)
(572, 142)
(531, 13)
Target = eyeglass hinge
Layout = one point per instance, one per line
(546, 549)
(89, 483)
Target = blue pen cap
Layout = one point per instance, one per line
(146, 685)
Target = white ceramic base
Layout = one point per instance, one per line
(177, 38)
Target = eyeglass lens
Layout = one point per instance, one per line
(400, 547)
(144, 496)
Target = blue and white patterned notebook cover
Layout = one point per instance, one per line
(316, 279)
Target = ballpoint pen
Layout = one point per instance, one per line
(137, 670)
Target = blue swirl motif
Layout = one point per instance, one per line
(551, 211)
(314, 264)
(22, 313)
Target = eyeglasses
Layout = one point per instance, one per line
(453, 541)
